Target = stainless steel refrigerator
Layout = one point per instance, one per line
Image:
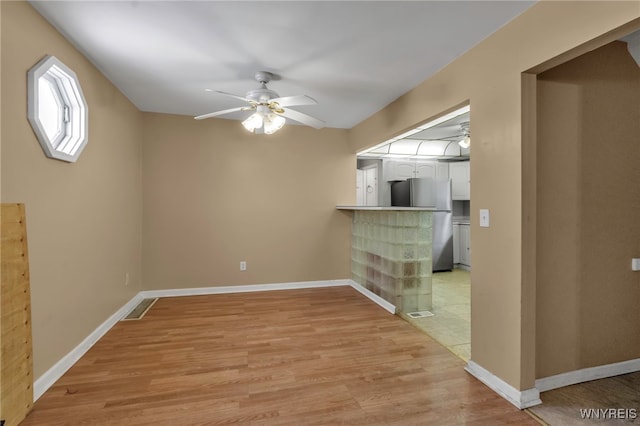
(427, 192)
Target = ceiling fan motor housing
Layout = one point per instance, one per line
(262, 95)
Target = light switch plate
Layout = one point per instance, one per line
(484, 218)
(635, 264)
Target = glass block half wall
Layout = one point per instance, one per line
(391, 256)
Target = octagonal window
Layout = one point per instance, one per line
(57, 110)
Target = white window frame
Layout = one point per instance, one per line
(68, 144)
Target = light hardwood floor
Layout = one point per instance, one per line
(316, 356)
(571, 405)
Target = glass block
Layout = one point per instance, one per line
(423, 235)
(410, 235)
(397, 286)
(386, 252)
(392, 218)
(423, 251)
(377, 277)
(409, 269)
(408, 252)
(384, 263)
(395, 251)
(410, 303)
(424, 302)
(383, 218)
(370, 274)
(425, 219)
(370, 258)
(423, 269)
(409, 285)
(359, 279)
(397, 301)
(410, 218)
(396, 269)
(424, 285)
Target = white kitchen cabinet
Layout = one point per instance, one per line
(442, 171)
(456, 243)
(465, 245)
(398, 169)
(460, 180)
(425, 170)
(405, 169)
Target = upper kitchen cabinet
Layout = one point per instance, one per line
(398, 169)
(460, 180)
(442, 171)
(405, 169)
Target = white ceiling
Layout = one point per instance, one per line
(353, 57)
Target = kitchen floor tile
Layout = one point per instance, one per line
(451, 321)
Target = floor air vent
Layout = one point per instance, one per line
(420, 314)
(140, 310)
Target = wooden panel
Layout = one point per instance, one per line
(16, 377)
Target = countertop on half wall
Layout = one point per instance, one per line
(388, 208)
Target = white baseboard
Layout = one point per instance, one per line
(52, 375)
(374, 297)
(587, 374)
(269, 287)
(521, 399)
(198, 291)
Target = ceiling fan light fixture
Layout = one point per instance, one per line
(465, 142)
(255, 121)
(273, 123)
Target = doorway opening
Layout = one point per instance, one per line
(579, 152)
(367, 185)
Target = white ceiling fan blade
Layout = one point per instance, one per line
(302, 118)
(242, 98)
(294, 100)
(224, 111)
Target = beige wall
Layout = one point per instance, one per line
(588, 205)
(489, 76)
(83, 219)
(215, 194)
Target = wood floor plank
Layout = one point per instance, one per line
(563, 406)
(312, 356)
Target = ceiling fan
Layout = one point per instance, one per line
(270, 109)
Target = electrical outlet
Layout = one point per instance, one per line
(635, 264)
(243, 265)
